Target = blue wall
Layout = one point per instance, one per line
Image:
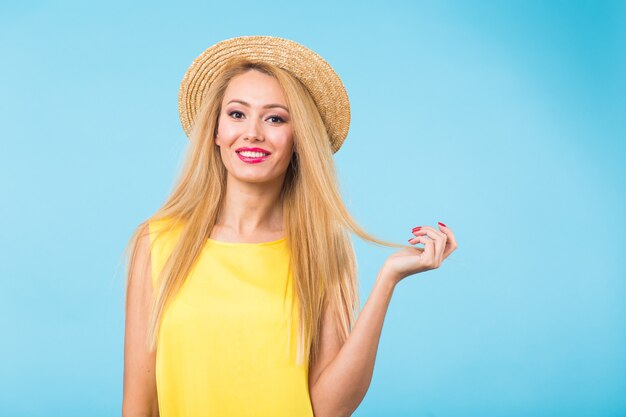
(504, 120)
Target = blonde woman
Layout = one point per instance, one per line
(242, 292)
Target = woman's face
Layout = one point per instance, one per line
(254, 115)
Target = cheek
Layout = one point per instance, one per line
(285, 138)
(224, 132)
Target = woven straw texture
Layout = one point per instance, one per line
(312, 70)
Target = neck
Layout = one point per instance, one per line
(251, 208)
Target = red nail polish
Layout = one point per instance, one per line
(416, 228)
(442, 224)
(410, 239)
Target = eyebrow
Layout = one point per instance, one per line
(267, 106)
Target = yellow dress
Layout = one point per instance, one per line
(224, 346)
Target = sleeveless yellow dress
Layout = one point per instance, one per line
(224, 346)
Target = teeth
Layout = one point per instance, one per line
(252, 154)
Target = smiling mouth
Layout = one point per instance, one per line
(254, 159)
(252, 154)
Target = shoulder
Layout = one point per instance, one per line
(163, 226)
(163, 234)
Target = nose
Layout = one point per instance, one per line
(253, 131)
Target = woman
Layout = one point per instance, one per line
(242, 290)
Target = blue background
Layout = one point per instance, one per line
(504, 120)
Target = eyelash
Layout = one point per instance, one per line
(272, 116)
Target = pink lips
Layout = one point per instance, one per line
(250, 160)
(245, 148)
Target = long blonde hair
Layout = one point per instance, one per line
(316, 220)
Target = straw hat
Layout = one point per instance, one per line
(311, 69)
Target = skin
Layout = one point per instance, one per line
(140, 390)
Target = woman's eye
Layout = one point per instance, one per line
(273, 119)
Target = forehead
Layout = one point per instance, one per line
(255, 87)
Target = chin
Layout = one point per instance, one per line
(257, 179)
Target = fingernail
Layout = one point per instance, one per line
(416, 228)
(410, 239)
(442, 224)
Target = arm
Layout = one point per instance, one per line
(343, 383)
(340, 379)
(140, 394)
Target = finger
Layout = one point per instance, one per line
(437, 237)
(432, 229)
(415, 242)
(429, 247)
(451, 243)
(444, 250)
